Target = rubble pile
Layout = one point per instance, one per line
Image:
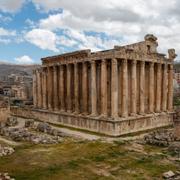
(5, 151)
(23, 134)
(175, 148)
(5, 176)
(160, 138)
(11, 122)
(38, 133)
(46, 128)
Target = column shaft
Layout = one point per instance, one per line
(69, 98)
(35, 88)
(93, 89)
(170, 88)
(55, 88)
(44, 89)
(124, 88)
(164, 89)
(76, 88)
(133, 88)
(142, 87)
(114, 88)
(39, 90)
(84, 88)
(61, 88)
(151, 87)
(50, 89)
(104, 88)
(158, 88)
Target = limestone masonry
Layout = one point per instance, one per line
(118, 91)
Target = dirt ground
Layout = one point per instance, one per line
(88, 159)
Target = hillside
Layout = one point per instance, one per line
(7, 69)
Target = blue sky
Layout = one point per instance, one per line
(32, 29)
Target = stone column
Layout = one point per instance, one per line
(151, 87)
(50, 88)
(164, 89)
(142, 87)
(170, 88)
(103, 88)
(35, 88)
(124, 88)
(55, 89)
(84, 88)
(133, 88)
(93, 89)
(69, 98)
(39, 88)
(158, 89)
(114, 88)
(44, 89)
(61, 89)
(76, 88)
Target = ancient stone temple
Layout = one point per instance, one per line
(118, 91)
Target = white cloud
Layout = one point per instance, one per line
(5, 19)
(121, 19)
(11, 5)
(42, 38)
(30, 23)
(65, 41)
(24, 60)
(5, 32)
(85, 41)
(5, 41)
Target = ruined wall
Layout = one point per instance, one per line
(4, 114)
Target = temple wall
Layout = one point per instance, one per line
(98, 125)
(114, 85)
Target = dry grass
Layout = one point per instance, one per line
(91, 160)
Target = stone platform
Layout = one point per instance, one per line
(107, 126)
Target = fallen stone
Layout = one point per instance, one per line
(5, 176)
(174, 147)
(169, 174)
(5, 151)
(44, 127)
(11, 121)
(29, 123)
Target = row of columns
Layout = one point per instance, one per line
(53, 86)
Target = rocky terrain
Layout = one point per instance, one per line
(55, 153)
(5, 150)
(37, 133)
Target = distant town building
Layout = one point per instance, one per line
(17, 86)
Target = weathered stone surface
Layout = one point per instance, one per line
(5, 176)
(11, 121)
(169, 174)
(29, 123)
(5, 150)
(160, 138)
(44, 127)
(109, 88)
(16, 133)
(175, 147)
(22, 134)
